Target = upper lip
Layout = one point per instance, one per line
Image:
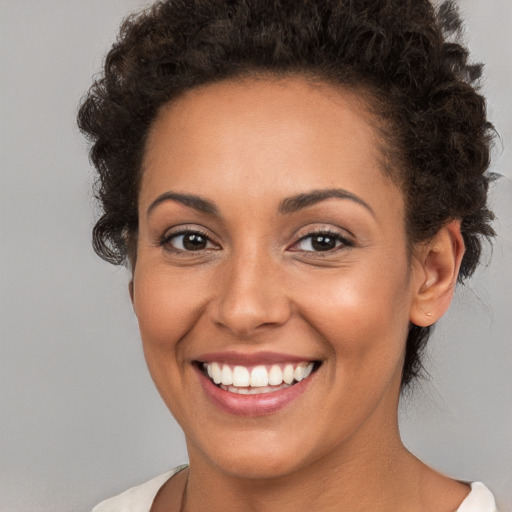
(251, 359)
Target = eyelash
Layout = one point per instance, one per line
(165, 241)
(343, 241)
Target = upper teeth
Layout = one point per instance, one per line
(257, 376)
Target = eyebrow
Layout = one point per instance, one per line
(190, 200)
(300, 201)
(287, 206)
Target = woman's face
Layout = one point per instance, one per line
(269, 241)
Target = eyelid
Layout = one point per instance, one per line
(184, 230)
(346, 242)
(176, 231)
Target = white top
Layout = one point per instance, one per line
(140, 498)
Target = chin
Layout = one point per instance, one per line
(261, 458)
(258, 466)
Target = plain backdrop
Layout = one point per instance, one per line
(79, 418)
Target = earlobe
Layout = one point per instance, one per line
(437, 268)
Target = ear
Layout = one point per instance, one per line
(436, 269)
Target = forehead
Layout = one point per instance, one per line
(271, 137)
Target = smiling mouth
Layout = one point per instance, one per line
(258, 379)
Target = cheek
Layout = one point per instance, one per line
(362, 316)
(166, 305)
(167, 308)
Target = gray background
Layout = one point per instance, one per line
(80, 419)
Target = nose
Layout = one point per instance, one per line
(250, 296)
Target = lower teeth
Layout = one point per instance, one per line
(254, 391)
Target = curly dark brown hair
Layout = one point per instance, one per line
(403, 53)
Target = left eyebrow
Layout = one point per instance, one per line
(300, 201)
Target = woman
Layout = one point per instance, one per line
(297, 187)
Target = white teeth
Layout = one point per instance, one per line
(288, 374)
(255, 391)
(259, 377)
(299, 373)
(216, 373)
(308, 370)
(275, 376)
(227, 375)
(241, 377)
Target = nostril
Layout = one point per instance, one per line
(249, 297)
(246, 316)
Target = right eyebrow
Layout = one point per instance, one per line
(191, 201)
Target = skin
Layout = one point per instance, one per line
(257, 286)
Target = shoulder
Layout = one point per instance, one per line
(139, 498)
(480, 499)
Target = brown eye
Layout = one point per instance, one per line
(188, 241)
(322, 242)
(194, 242)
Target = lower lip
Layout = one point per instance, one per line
(251, 405)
